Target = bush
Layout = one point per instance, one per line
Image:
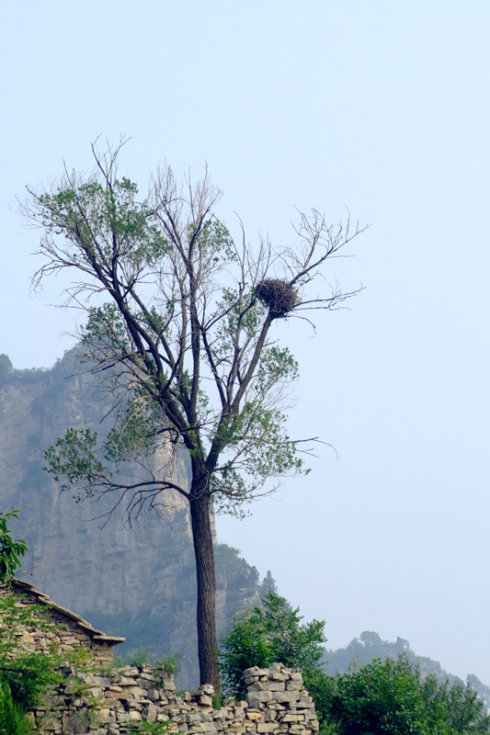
(391, 697)
(10, 549)
(29, 675)
(12, 717)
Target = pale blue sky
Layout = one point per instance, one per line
(380, 106)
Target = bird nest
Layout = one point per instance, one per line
(278, 295)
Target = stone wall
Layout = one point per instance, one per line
(122, 700)
(46, 625)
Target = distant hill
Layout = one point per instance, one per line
(369, 645)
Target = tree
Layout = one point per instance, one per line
(10, 549)
(182, 317)
(392, 697)
(267, 633)
(465, 712)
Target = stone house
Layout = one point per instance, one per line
(60, 627)
(102, 700)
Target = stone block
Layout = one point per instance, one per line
(305, 701)
(136, 692)
(286, 696)
(123, 681)
(257, 698)
(275, 685)
(147, 675)
(266, 727)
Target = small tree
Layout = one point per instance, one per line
(267, 633)
(10, 549)
(182, 317)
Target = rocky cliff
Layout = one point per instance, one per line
(135, 581)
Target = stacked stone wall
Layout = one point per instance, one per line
(51, 626)
(124, 699)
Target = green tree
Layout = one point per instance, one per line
(267, 633)
(13, 720)
(10, 549)
(391, 697)
(183, 317)
(465, 712)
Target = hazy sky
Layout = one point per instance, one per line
(379, 106)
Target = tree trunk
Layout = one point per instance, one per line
(206, 583)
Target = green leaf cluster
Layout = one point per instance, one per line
(270, 632)
(73, 457)
(94, 213)
(24, 675)
(380, 698)
(392, 697)
(13, 720)
(10, 549)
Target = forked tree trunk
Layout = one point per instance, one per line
(206, 585)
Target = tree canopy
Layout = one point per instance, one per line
(378, 698)
(270, 632)
(180, 321)
(392, 697)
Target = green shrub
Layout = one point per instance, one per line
(391, 697)
(29, 675)
(165, 667)
(268, 633)
(12, 717)
(10, 549)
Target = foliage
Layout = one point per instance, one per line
(137, 657)
(465, 711)
(391, 697)
(12, 716)
(180, 317)
(150, 728)
(10, 550)
(29, 675)
(374, 699)
(268, 633)
(369, 646)
(26, 674)
(165, 667)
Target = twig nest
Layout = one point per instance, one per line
(278, 295)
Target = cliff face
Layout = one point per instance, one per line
(136, 581)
